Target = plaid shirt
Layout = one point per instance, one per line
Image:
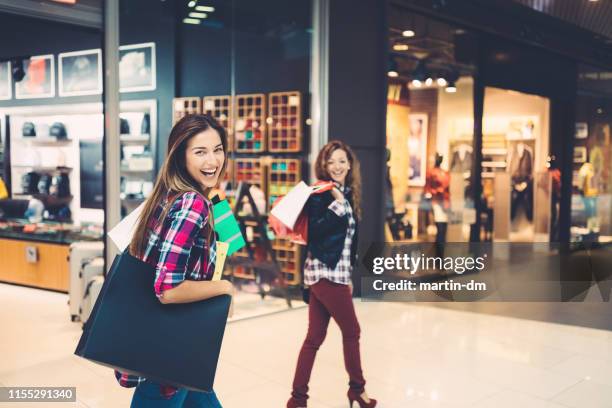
(179, 251)
(314, 270)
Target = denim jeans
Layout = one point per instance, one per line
(147, 395)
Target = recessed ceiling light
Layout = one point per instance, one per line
(416, 83)
(208, 9)
(441, 81)
(408, 33)
(428, 81)
(191, 3)
(392, 74)
(400, 47)
(193, 14)
(191, 21)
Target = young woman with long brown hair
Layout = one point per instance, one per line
(175, 234)
(333, 219)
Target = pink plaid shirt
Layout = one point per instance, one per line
(179, 250)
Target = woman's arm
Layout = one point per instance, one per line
(324, 219)
(193, 291)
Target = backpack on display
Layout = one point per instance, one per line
(28, 129)
(58, 131)
(145, 126)
(44, 183)
(29, 182)
(124, 126)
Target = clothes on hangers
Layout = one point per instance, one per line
(461, 161)
(521, 171)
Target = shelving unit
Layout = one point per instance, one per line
(288, 256)
(221, 108)
(250, 126)
(137, 146)
(185, 106)
(284, 122)
(250, 170)
(283, 174)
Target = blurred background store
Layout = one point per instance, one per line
(513, 98)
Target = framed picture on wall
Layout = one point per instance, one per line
(80, 73)
(417, 149)
(39, 80)
(137, 68)
(582, 130)
(6, 92)
(580, 154)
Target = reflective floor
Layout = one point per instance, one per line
(413, 355)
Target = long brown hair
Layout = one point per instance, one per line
(173, 177)
(353, 177)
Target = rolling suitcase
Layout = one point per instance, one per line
(92, 290)
(81, 252)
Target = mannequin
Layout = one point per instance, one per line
(437, 183)
(521, 170)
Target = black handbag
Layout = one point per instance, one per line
(306, 294)
(131, 331)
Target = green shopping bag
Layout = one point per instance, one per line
(226, 226)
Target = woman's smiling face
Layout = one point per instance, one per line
(338, 166)
(204, 158)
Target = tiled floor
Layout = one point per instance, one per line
(413, 355)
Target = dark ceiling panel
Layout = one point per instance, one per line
(595, 16)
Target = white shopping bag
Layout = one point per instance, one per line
(122, 233)
(288, 209)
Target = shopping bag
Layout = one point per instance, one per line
(131, 331)
(226, 225)
(289, 207)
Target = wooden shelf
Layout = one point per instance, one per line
(135, 140)
(44, 169)
(46, 141)
(283, 175)
(185, 106)
(284, 122)
(249, 125)
(221, 108)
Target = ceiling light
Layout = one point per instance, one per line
(416, 83)
(191, 3)
(451, 88)
(408, 33)
(191, 21)
(428, 81)
(400, 47)
(392, 74)
(208, 9)
(193, 14)
(441, 81)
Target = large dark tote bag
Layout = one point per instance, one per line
(131, 331)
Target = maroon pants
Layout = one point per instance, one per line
(329, 299)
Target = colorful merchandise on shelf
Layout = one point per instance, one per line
(284, 122)
(250, 126)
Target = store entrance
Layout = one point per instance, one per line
(517, 178)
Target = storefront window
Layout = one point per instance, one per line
(51, 164)
(430, 125)
(592, 168)
(248, 65)
(516, 180)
